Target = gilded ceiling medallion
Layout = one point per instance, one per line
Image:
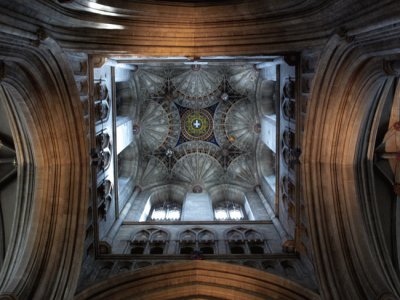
(197, 124)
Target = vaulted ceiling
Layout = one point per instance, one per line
(198, 126)
(352, 41)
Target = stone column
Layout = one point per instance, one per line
(117, 224)
(277, 223)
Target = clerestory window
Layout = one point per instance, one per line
(166, 211)
(229, 210)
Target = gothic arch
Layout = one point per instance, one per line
(52, 157)
(190, 280)
(348, 78)
(147, 240)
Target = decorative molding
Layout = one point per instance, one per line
(350, 263)
(52, 153)
(7, 297)
(98, 61)
(392, 67)
(2, 70)
(206, 279)
(41, 35)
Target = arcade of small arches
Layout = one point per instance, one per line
(198, 241)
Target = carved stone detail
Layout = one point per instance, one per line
(288, 109)
(392, 67)
(98, 61)
(289, 88)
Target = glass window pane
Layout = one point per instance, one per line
(158, 214)
(235, 214)
(173, 214)
(221, 214)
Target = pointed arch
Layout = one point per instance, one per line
(194, 279)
